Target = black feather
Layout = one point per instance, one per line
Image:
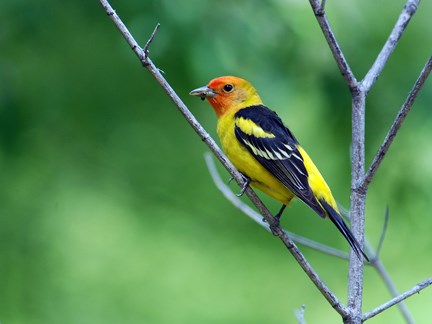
(343, 228)
(290, 171)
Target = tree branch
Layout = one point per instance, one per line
(403, 112)
(408, 11)
(147, 45)
(318, 9)
(374, 255)
(379, 267)
(352, 313)
(417, 288)
(148, 64)
(383, 232)
(300, 313)
(358, 197)
(256, 217)
(358, 201)
(248, 211)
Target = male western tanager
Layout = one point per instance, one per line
(265, 151)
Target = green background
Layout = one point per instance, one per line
(107, 211)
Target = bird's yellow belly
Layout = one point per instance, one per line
(250, 167)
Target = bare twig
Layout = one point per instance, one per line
(124, 31)
(322, 7)
(300, 313)
(256, 217)
(248, 211)
(148, 64)
(417, 288)
(408, 11)
(358, 195)
(379, 267)
(383, 232)
(147, 45)
(355, 276)
(351, 313)
(396, 125)
(318, 9)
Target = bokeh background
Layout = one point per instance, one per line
(107, 211)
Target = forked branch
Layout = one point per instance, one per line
(251, 213)
(409, 10)
(148, 64)
(359, 180)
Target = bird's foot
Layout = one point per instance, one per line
(276, 221)
(245, 186)
(280, 212)
(274, 227)
(247, 181)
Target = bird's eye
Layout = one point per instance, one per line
(228, 87)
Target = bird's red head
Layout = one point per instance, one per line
(228, 93)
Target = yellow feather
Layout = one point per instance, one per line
(319, 187)
(247, 164)
(228, 95)
(250, 128)
(260, 177)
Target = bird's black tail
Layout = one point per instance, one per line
(343, 228)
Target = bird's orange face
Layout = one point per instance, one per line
(227, 93)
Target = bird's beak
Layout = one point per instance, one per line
(203, 92)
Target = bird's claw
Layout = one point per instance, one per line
(246, 183)
(245, 186)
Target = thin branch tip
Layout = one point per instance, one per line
(415, 290)
(150, 40)
(394, 129)
(383, 232)
(300, 314)
(318, 6)
(318, 9)
(321, 10)
(255, 216)
(401, 24)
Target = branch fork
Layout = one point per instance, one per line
(352, 313)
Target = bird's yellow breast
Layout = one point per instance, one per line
(260, 177)
(247, 164)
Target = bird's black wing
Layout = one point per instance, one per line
(273, 145)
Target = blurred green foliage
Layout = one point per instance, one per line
(108, 214)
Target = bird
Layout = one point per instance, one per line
(266, 152)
